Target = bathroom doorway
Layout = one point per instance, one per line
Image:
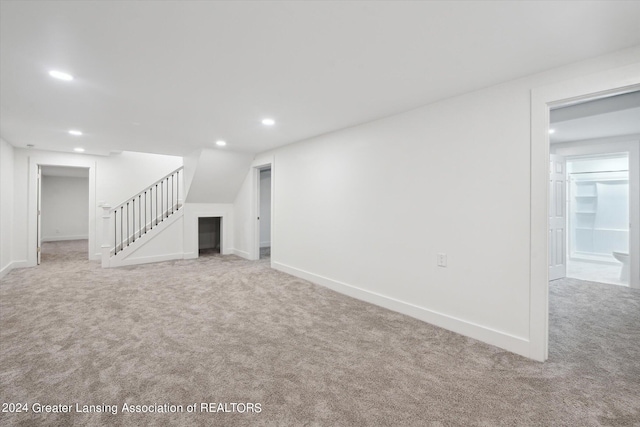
(599, 140)
(598, 218)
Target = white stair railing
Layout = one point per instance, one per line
(132, 219)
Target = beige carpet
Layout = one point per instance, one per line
(222, 329)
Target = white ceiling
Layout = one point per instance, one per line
(172, 77)
(607, 117)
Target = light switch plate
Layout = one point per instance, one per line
(441, 259)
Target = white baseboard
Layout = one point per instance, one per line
(7, 268)
(241, 254)
(500, 339)
(22, 264)
(194, 255)
(147, 259)
(61, 238)
(190, 255)
(265, 244)
(13, 265)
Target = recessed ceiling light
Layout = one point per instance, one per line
(79, 150)
(60, 75)
(221, 143)
(75, 132)
(268, 122)
(552, 131)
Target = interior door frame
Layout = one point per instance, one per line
(34, 163)
(256, 167)
(39, 220)
(260, 195)
(607, 83)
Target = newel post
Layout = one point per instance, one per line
(107, 232)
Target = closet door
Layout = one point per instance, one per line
(557, 218)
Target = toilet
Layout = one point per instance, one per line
(624, 259)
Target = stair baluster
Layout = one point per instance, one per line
(166, 203)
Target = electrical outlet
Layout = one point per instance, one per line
(441, 259)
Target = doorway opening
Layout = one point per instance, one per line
(264, 217)
(63, 213)
(209, 236)
(604, 84)
(598, 218)
(594, 165)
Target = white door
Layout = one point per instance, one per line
(39, 227)
(557, 218)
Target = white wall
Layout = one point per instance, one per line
(65, 208)
(6, 206)
(115, 178)
(164, 243)
(265, 208)
(600, 164)
(123, 175)
(217, 176)
(365, 210)
(243, 218)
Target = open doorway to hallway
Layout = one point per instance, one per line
(265, 212)
(63, 212)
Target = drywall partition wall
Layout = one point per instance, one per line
(26, 199)
(247, 210)
(111, 180)
(123, 175)
(243, 218)
(265, 208)
(217, 176)
(190, 163)
(164, 243)
(6, 207)
(65, 208)
(451, 177)
(214, 178)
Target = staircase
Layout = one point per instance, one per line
(133, 223)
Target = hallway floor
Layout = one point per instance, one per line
(594, 272)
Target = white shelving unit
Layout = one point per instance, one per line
(598, 215)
